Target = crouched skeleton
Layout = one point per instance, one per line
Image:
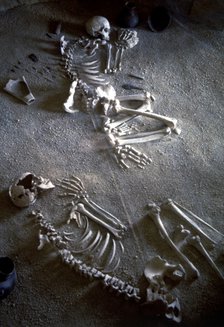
(99, 96)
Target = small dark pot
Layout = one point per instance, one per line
(129, 15)
(159, 19)
(7, 276)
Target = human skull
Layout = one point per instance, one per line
(98, 26)
(24, 190)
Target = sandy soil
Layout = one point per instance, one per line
(183, 69)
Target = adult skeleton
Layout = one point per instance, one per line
(99, 96)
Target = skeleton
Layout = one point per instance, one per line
(49, 235)
(110, 229)
(98, 95)
(162, 277)
(168, 305)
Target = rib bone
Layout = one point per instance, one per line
(154, 214)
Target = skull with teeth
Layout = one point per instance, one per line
(98, 26)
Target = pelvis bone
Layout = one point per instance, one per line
(162, 276)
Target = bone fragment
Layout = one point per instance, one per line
(108, 217)
(91, 245)
(136, 76)
(70, 100)
(198, 218)
(170, 122)
(108, 65)
(116, 60)
(104, 247)
(20, 89)
(154, 214)
(172, 205)
(195, 241)
(180, 236)
(116, 232)
(143, 137)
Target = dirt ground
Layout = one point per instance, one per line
(183, 69)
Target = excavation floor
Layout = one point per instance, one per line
(183, 68)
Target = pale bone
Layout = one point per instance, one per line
(68, 105)
(92, 244)
(126, 39)
(77, 265)
(81, 208)
(170, 122)
(174, 311)
(143, 137)
(198, 218)
(24, 190)
(108, 217)
(108, 64)
(180, 236)
(98, 26)
(154, 214)
(160, 302)
(173, 206)
(76, 188)
(146, 99)
(104, 247)
(20, 89)
(159, 272)
(128, 152)
(195, 241)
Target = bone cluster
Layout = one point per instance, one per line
(56, 240)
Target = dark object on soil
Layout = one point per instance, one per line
(159, 19)
(129, 15)
(7, 277)
(33, 57)
(131, 87)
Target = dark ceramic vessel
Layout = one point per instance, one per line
(159, 19)
(7, 277)
(129, 15)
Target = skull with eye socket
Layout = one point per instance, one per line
(99, 27)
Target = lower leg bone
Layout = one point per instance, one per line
(174, 208)
(154, 214)
(196, 242)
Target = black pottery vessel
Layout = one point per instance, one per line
(159, 19)
(129, 15)
(7, 276)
